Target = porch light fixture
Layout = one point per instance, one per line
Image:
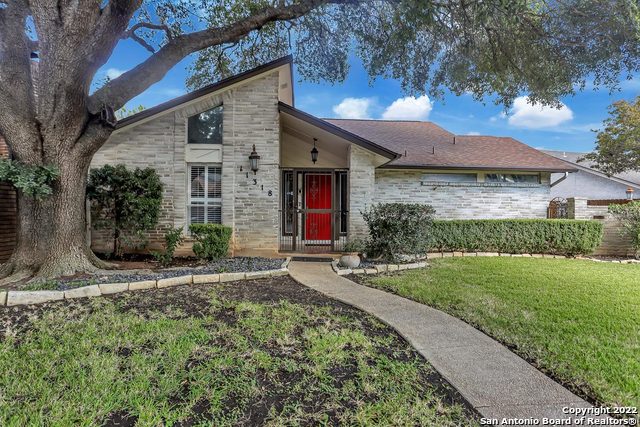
(314, 152)
(253, 160)
(629, 193)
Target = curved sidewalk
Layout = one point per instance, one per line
(494, 380)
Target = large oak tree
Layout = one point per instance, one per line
(497, 48)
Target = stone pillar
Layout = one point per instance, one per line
(577, 208)
(361, 185)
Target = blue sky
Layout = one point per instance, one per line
(567, 129)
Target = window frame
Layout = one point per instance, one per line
(188, 118)
(504, 181)
(206, 201)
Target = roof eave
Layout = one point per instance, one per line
(466, 167)
(175, 102)
(338, 131)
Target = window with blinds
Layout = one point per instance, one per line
(205, 194)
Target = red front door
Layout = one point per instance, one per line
(317, 190)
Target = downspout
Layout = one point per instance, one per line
(566, 174)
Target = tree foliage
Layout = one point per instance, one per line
(503, 48)
(618, 144)
(125, 201)
(34, 181)
(629, 215)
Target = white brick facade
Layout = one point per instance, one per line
(250, 117)
(361, 188)
(462, 201)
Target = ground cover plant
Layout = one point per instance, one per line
(266, 352)
(578, 321)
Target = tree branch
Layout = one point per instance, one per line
(15, 72)
(120, 90)
(131, 34)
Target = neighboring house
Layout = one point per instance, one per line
(590, 183)
(200, 145)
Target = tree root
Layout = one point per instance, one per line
(15, 271)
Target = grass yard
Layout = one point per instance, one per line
(578, 321)
(267, 352)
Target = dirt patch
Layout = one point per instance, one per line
(286, 387)
(120, 419)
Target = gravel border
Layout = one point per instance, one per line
(225, 265)
(176, 278)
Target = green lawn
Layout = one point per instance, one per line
(251, 353)
(579, 321)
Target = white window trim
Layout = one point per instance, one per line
(205, 201)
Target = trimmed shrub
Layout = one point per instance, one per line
(544, 236)
(212, 240)
(397, 229)
(172, 239)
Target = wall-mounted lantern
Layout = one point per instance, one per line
(629, 193)
(314, 152)
(253, 160)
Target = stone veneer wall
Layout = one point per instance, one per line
(250, 117)
(361, 188)
(461, 200)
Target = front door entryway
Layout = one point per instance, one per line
(314, 214)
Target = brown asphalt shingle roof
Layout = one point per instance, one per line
(427, 145)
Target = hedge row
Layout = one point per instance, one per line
(544, 236)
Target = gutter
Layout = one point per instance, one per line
(566, 175)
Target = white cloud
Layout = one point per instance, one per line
(529, 116)
(473, 133)
(170, 91)
(353, 108)
(114, 73)
(409, 108)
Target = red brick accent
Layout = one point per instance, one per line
(8, 212)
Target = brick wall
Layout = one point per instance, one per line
(250, 117)
(8, 212)
(462, 200)
(362, 175)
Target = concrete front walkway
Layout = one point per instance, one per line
(493, 379)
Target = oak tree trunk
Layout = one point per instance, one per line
(51, 233)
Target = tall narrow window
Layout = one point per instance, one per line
(205, 194)
(206, 127)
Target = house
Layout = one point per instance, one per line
(590, 183)
(314, 177)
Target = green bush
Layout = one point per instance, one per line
(126, 202)
(545, 236)
(212, 240)
(398, 229)
(172, 239)
(629, 216)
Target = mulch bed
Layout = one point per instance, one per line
(195, 301)
(225, 265)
